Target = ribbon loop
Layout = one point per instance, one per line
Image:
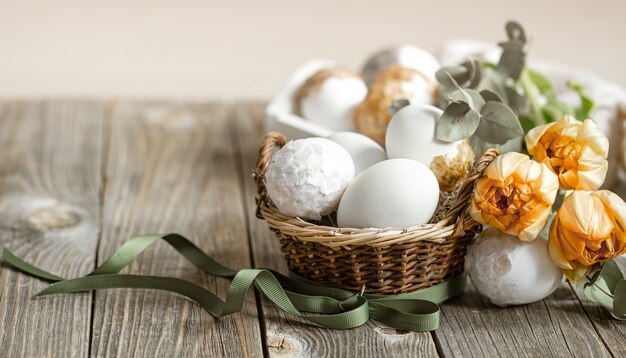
(321, 305)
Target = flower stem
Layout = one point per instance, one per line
(530, 92)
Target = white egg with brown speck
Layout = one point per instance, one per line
(393, 83)
(329, 96)
(405, 55)
(411, 134)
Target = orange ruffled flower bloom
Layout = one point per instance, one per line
(515, 195)
(576, 151)
(587, 229)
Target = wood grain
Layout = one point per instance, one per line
(171, 168)
(50, 180)
(289, 336)
(554, 327)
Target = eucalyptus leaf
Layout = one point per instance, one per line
(480, 146)
(495, 82)
(474, 67)
(457, 122)
(515, 31)
(619, 300)
(512, 60)
(488, 95)
(611, 275)
(599, 293)
(498, 123)
(397, 105)
(516, 101)
(447, 75)
(470, 96)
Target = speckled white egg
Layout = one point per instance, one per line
(396, 193)
(307, 177)
(405, 55)
(509, 271)
(328, 98)
(364, 151)
(411, 134)
(393, 83)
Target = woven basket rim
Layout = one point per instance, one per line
(454, 223)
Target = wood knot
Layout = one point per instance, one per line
(53, 218)
(281, 345)
(391, 331)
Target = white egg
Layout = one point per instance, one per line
(328, 98)
(395, 193)
(307, 177)
(407, 56)
(509, 271)
(411, 134)
(364, 151)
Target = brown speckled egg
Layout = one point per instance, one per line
(395, 82)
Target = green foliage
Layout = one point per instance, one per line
(607, 287)
(495, 104)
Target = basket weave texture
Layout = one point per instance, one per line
(372, 260)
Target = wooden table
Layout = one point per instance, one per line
(79, 178)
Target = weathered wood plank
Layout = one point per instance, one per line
(172, 168)
(50, 180)
(554, 327)
(286, 335)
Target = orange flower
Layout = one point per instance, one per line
(576, 151)
(587, 229)
(515, 195)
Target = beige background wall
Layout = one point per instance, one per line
(247, 49)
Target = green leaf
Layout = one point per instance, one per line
(470, 96)
(611, 275)
(397, 105)
(552, 113)
(495, 82)
(619, 300)
(515, 31)
(516, 101)
(474, 67)
(527, 123)
(460, 74)
(498, 124)
(512, 60)
(542, 83)
(479, 146)
(598, 292)
(490, 96)
(457, 122)
(466, 75)
(586, 103)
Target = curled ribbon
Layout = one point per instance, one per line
(324, 306)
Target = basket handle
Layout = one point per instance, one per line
(458, 212)
(272, 141)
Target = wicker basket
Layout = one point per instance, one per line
(375, 261)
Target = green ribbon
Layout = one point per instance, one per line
(324, 306)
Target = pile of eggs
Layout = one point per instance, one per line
(350, 173)
(341, 99)
(389, 175)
